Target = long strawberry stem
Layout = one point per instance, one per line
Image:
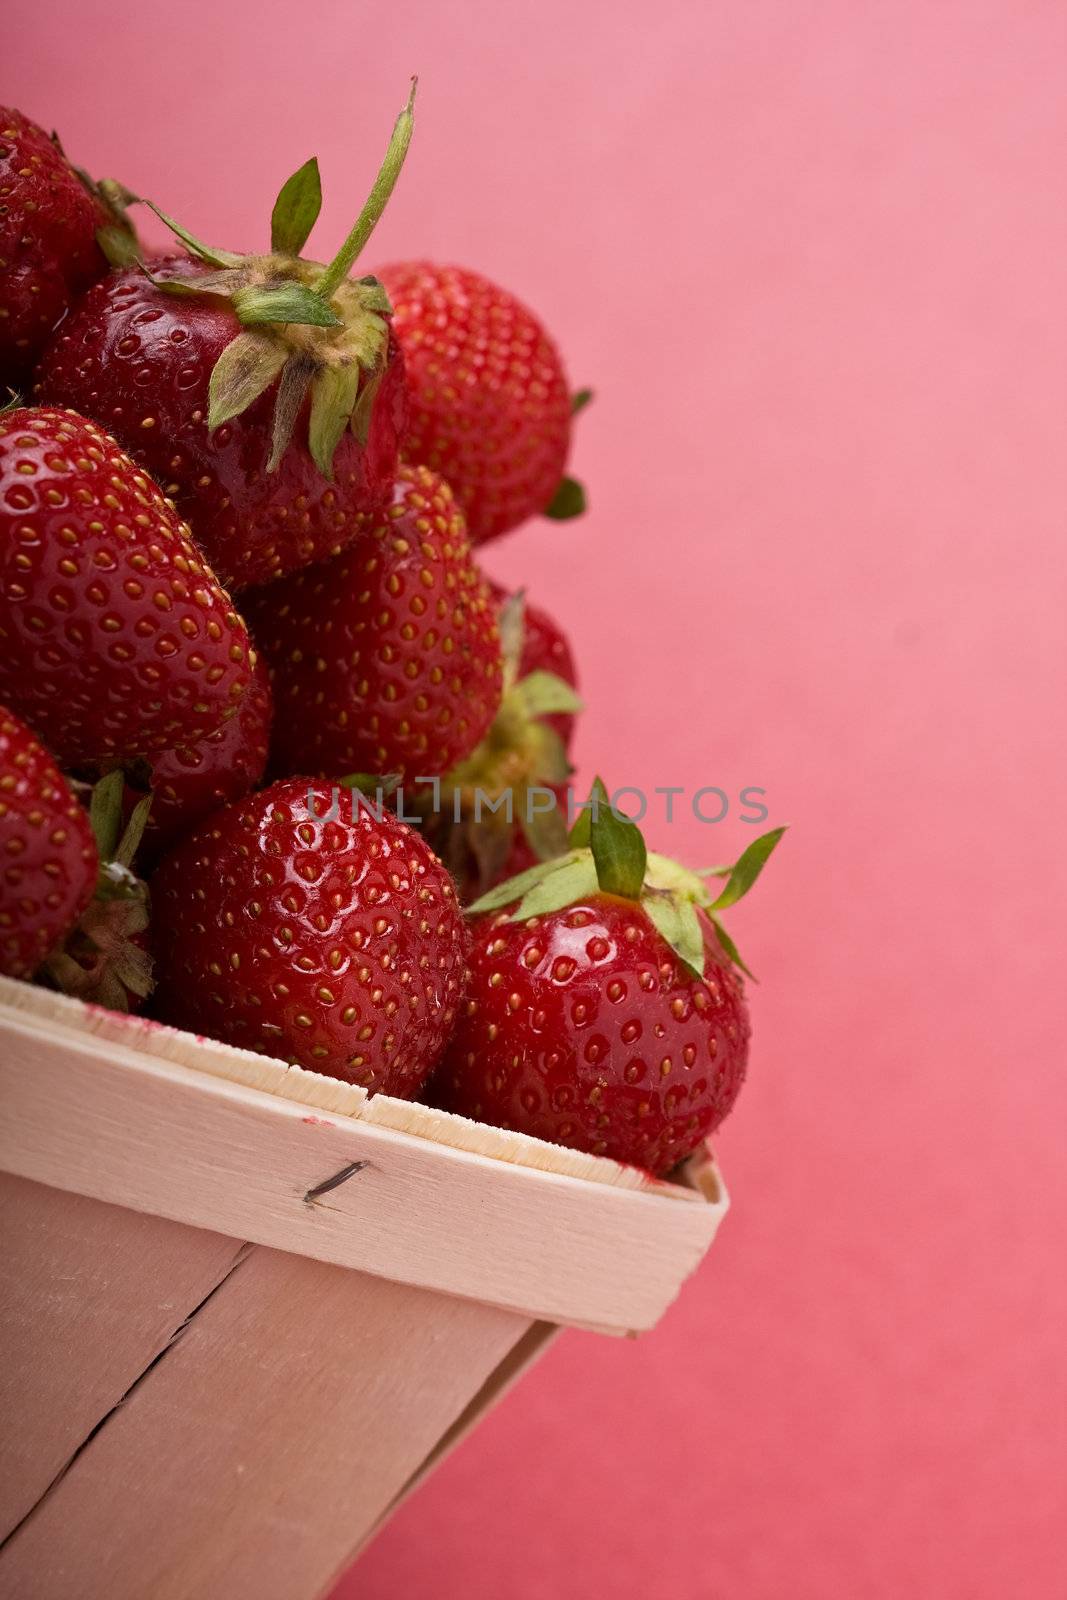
(376, 202)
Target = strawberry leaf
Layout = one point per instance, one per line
(505, 894)
(214, 258)
(333, 395)
(105, 813)
(747, 868)
(512, 624)
(579, 834)
(375, 296)
(580, 400)
(296, 210)
(570, 881)
(568, 501)
(364, 407)
(731, 949)
(619, 852)
(678, 924)
(225, 282)
(542, 693)
(128, 845)
(284, 302)
(292, 392)
(548, 754)
(248, 365)
(368, 783)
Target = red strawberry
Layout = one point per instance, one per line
(189, 783)
(605, 1013)
(115, 637)
(490, 407)
(386, 659)
(48, 858)
(503, 808)
(49, 220)
(332, 941)
(265, 392)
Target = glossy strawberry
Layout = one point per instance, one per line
(189, 783)
(504, 807)
(48, 246)
(490, 406)
(605, 1012)
(265, 392)
(48, 857)
(116, 639)
(140, 360)
(329, 940)
(386, 659)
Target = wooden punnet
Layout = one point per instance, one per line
(245, 1309)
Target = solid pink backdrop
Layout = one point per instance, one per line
(812, 258)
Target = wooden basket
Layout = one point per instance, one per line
(247, 1308)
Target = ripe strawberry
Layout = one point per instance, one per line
(189, 783)
(48, 858)
(605, 1013)
(386, 659)
(329, 940)
(115, 637)
(50, 217)
(489, 404)
(503, 808)
(265, 392)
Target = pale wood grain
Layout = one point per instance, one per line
(89, 1296)
(312, 1089)
(95, 1117)
(529, 1349)
(273, 1435)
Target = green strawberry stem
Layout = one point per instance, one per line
(305, 328)
(376, 202)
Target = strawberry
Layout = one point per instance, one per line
(48, 857)
(189, 783)
(489, 404)
(265, 392)
(605, 1011)
(502, 808)
(305, 924)
(50, 219)
(115, 637)
(386, 659)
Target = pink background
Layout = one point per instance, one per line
(812, 258)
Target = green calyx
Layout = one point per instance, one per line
(606, 854)
(310, 328)
(101, 960)
(570, 499)
(521, 753)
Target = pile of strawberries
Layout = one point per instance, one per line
(266, 726)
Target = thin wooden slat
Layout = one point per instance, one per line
(89, 1296)
(98, 1118)
(312, 1089)
(259, 1451)
(529, 1349)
